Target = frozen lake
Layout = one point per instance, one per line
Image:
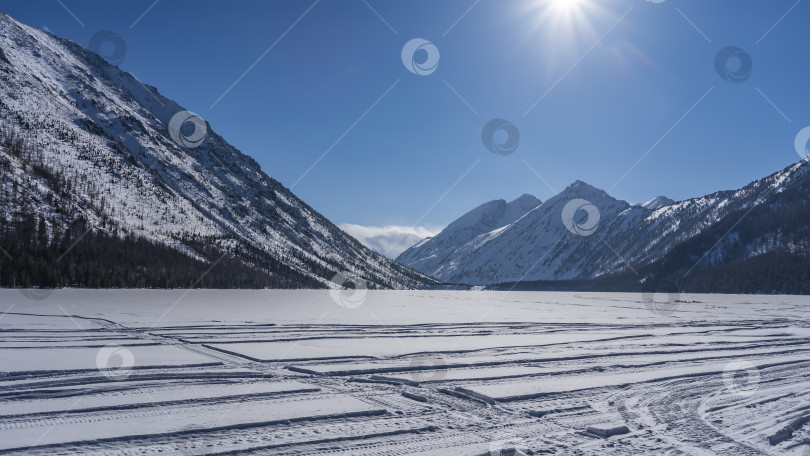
(397, 373)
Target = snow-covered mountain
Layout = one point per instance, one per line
(583, 233)
(103, 152)
(657, 203)
(431, 254)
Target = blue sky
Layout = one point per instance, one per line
(613, 78)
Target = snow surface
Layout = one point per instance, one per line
(291, 372)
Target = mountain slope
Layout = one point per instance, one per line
(98, 149)
(542, 247)
(761, 249)
(657, 203)
(432, 253)
(764, 248)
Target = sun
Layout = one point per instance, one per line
(563, 17)
(566, 10)
(567, 6)
(559, 29)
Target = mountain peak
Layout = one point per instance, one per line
(518, 208)
(485, 218)
(657, 203)
(584, 190)
(580, 185)
(524, 203)
(526, 198)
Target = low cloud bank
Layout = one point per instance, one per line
(388, 240)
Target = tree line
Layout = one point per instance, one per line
(50, 237)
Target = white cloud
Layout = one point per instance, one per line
(388, 240)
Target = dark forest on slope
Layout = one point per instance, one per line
(759, 250)
(58, 250)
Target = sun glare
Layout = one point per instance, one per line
(566, 5)
(559, 29)
(564, 16)
(566, 10)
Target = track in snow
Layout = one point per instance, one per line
(280, 387)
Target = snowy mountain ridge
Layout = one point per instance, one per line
(657, 203)
(99, 127)
(584, 233)
(431, 253)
